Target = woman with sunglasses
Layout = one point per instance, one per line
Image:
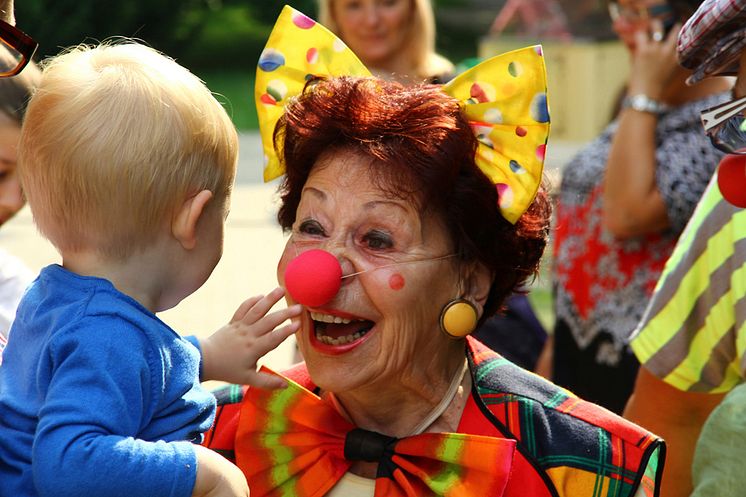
(692, 341)
(623, 202)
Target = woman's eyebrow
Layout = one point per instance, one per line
(316, 192)
(377, 203)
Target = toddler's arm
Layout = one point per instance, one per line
(109, 395)
(231, 353)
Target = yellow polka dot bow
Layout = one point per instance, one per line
(504, 99)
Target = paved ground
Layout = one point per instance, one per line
(253, 243)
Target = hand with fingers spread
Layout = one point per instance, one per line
(231, 353)
(653, 62)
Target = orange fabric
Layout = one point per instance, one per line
(291, 443)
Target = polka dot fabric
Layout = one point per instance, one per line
(504, 98)
(297, 48)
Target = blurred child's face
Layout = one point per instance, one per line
(11, 197)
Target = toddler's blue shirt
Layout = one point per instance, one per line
(98, 397)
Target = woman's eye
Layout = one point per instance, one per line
(351, 6)
(311, 227)
(378, 240)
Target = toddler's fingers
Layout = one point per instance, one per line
(274, 319)
(271, 341)
(263, 305)
(245, 307)
(267, 381)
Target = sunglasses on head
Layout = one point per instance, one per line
(725, 124)
(19, 48)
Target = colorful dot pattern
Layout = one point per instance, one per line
(298, 47)
(504, 98)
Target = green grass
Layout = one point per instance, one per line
(235, 90)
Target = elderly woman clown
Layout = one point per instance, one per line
(413, 212)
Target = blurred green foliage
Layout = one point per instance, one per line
(219, 40)
(201, 34)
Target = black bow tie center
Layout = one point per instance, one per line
(364, 445)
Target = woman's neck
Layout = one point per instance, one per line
(396, 69)
(396, 408)
(399, 410)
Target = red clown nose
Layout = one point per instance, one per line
(313, 278)
(732, 179)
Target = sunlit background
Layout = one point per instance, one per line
(220, 41)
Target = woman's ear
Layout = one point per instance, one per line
(184, 224)
(477, 283)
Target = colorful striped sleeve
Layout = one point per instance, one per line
(693, 333)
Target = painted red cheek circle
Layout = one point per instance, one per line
(396, 281)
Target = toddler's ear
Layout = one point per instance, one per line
(184, 224)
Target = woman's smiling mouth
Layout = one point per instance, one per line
(333, 330)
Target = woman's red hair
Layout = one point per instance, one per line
(422, 149)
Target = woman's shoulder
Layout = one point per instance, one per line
(497, 377)
(569, 439)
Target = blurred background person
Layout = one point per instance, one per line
(623, 201)
(692, 340)
(14, 275)
(395, 39)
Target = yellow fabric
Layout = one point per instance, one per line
(504, 99)
(694, 336)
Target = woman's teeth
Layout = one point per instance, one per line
(327, 318)
(338, 341)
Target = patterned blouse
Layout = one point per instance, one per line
(603, 283)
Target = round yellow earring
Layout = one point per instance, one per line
(458, 318)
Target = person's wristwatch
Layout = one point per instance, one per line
(643, 103)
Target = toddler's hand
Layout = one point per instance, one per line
(231, 353)
(217, 477)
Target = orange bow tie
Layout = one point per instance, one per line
(291, 443)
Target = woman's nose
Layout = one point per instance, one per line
(313, 278)
(372, 15)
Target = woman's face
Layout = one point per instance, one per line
(387, 317)
(11, 197)
(375, 30)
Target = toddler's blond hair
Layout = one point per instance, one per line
(114, 138)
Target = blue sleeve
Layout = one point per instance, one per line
(101, 393)
(195, 341)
